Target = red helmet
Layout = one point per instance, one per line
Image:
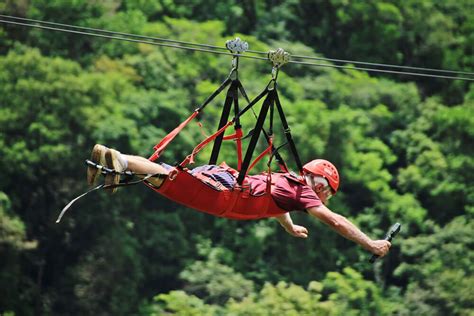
(324, 168)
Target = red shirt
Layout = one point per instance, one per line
(288, 192)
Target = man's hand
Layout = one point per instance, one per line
(297, 231)
(292, 229)
(380, 247)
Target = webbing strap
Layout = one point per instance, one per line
(288, 133)
(215, 93)
(270, 142)
(238, 130)
(237, 136)
(256, 133)
(190, 158)
(278, 157)
(160, 147)
(251, 104)
(262, 154)
(231, 96)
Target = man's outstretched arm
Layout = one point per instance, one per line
(292, 229)
(347, 229)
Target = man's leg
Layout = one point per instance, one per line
(142, 165)
(113, 159)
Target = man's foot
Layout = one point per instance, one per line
(114, 161)
(97, 156)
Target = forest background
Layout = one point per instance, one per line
(403, 146)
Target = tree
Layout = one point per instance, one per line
(437, 266)
(13, 242)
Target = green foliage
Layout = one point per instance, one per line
(285, 299)
(344, 293)
(13, 242)
(403, 146)
(100, 286)
(439, 269)
(356, 296)
(12, 229)
(180, 304)
(215, 282)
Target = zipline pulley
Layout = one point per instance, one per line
(236, 47)
(278, 58)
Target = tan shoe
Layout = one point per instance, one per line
(115, 162)
(97, 156)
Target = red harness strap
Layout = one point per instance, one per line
(190, 158)
(184, 188)
(168, 138)
(208, 197)
(238, 143)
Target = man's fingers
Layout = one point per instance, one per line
(304, 232)
(303, 229)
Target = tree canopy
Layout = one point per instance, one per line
(403, 147)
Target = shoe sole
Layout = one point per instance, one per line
(97, 156)
(112, 162)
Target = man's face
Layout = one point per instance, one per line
(324, 194)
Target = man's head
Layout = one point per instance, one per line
(323, 178)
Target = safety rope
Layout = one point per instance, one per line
(107, 171)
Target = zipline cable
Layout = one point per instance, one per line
(370, 64)
(212, 49)
(383, 71)
(383, 65)
(249, 51)
(128, 39)
(116, 33)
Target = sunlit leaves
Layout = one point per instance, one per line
(439, 268)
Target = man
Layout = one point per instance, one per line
(309, 193)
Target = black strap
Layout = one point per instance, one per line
(288, 133)
(242, 91)
(256, 133)
(231, 96)
(270, 130)
(215, 93)
(251, 104)
(237, 124)
(277, 155)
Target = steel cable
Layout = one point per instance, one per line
(222, 51)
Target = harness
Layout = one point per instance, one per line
(204, 194)
(210, 196)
